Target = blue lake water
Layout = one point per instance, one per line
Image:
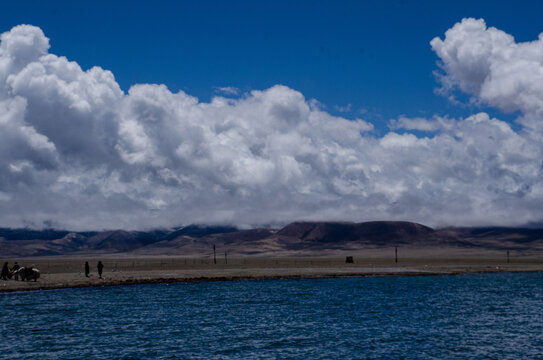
(492, 316)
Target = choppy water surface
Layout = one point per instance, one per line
(496, 316)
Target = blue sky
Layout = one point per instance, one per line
(374, 55)
(85, 119)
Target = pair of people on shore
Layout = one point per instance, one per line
(7, 273)
(100, 268)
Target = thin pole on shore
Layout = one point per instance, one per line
(508, 256)
(396, 254)
(214, 255)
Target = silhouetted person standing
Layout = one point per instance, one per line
(87, 269)
(100, 267)
(15, 268)
(5, 271)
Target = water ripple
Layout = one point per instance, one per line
(475, 316)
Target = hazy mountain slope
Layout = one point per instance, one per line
(297, 237)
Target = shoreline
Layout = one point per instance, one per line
(68, 272)
(94, 283)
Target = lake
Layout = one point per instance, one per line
(477, 316)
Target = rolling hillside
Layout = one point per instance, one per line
(295, 238)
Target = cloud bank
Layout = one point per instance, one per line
(79, 153)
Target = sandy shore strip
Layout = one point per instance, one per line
(63, 272)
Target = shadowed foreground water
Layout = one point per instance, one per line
(474, 316)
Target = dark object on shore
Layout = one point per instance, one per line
(87, 269)
(396, 254)
(100, 267)
(349, 260)
(5, 271)
(28, 273)
(214, 255)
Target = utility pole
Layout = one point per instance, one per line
(396, 254)
(214, 255)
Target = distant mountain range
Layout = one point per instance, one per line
(298, 237)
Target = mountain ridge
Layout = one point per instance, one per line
(295, 237)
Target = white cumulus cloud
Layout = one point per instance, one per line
(488, 64)
(79, 153)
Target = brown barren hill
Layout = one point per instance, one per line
(374, 233)
(189, 245)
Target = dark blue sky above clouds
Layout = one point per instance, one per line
(146, 114)
(374, 55)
